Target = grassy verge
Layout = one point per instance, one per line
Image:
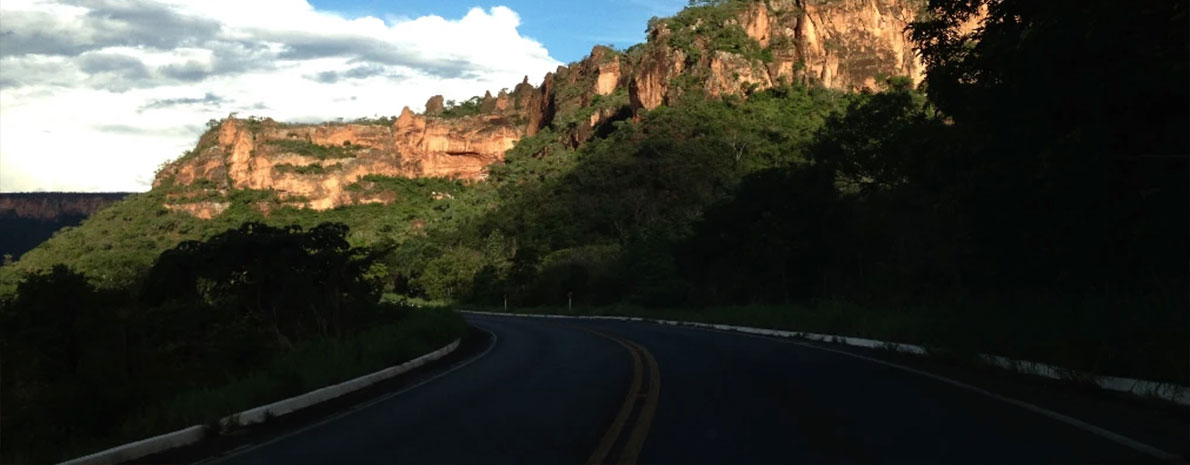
(1121, 337)
(309, 366)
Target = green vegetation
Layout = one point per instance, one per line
(116, 246)
(1007, 209)
(307, 169)
(577, 119)
(469, 107)
(376, 121)
(708, 25)
(252, 315)
(310, 149)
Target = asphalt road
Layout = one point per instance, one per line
(583, 391)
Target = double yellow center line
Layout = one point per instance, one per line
(626, 436)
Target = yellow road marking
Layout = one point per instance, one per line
(644, 420)
(617, 426)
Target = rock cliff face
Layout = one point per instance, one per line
(51, 206)
(852, 44)
(312, 165)
(838, 44)
(734, 48)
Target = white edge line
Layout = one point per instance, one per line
(245, 449)
(1164, 391)
(1101, 432)
(770, 334)
(196, 433)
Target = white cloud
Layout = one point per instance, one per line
(95, 94)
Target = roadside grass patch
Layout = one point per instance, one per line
(409, 334)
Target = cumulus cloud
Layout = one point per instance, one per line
(95, 94)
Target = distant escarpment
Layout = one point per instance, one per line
(28, 219)
(726, 48)
(52, 206)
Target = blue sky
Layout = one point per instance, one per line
(567, 28)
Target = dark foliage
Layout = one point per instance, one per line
(93, 360)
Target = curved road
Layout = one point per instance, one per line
(592, 391)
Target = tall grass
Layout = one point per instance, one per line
(305, 368)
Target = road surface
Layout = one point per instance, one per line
(597, 391)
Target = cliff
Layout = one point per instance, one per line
(53, 206)
(730, 47)
(312, 165)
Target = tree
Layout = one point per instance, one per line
(50, 313)
(1073, 168)
(451, 275)
(298, 282)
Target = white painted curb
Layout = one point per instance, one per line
(138, 449)
(1164, 391)
(292, 404)
(194, 434)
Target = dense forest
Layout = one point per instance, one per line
(251, 315)
(1030, 196)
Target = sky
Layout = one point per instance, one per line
(95, 95)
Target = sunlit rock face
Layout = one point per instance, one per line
(849, 45)
(838, 44)
(312, 165)
(842, 45)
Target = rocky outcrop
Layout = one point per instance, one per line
(737, 49)
(313, 165)
(458, 149)
(503, 102)
(838, 44)
(540, 105)
(660, 64)
(203, 210)
(757, 24)
(609, 75)
(732, 74)
(848, 45)
(435, 105)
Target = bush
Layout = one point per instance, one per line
(310, 149)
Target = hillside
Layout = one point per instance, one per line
(721, 49)
(28, 219)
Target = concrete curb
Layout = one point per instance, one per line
(1164, 391)
(194, 434)
(138, 449)
(295, 403)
